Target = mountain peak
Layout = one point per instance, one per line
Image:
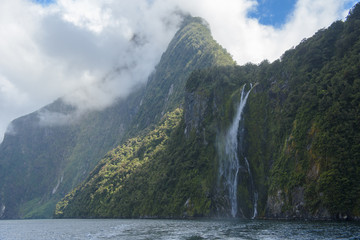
(192, 48)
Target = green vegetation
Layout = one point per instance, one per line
(320, 150)
(302, 140)
(146, 176)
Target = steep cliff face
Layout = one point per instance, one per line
(303, 124)
(192, 48)
(212, 100)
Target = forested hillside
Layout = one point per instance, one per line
(298, 142)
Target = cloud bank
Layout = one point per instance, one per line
(92, 52)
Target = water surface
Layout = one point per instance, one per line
(175, 229)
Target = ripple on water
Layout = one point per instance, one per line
(175, 229)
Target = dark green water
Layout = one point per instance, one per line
(175, 229)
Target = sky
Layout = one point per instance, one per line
(91, 52)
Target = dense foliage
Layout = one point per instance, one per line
(306, 110)
(131, 180)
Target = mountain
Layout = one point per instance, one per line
(274, 140)
(42, 158)
(191, 48)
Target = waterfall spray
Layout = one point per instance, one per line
(230, 164)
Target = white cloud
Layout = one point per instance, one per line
(249, 41)
(87, 14)
(82, 49)
(9, 93)
(78, 49)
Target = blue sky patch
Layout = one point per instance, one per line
(350, 4)
(44, 2)
(273, 12)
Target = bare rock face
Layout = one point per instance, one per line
(281, 207)
(2, 210)
(275, 204)
(194, 112)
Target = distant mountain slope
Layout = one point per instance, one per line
(298, 142)
(40, 163)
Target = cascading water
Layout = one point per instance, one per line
(230, 164)
(255, 198)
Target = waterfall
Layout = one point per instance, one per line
(230, 149)
(255, 197)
